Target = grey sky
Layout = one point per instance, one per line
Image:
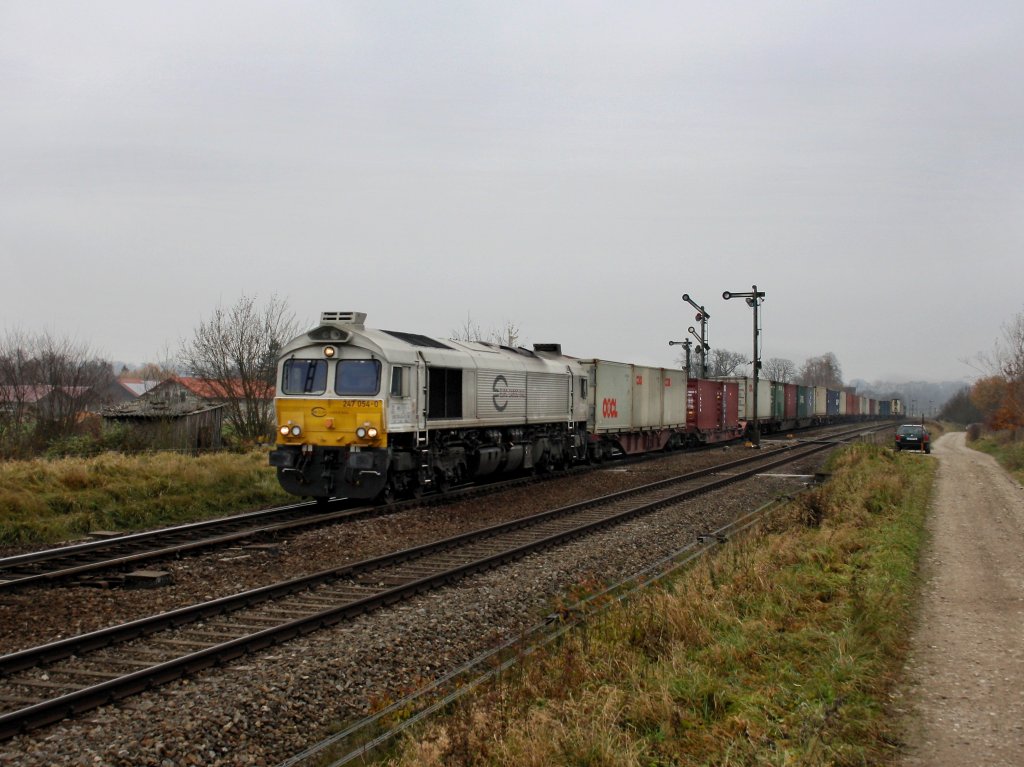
(573, 168)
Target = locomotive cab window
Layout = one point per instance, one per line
(357, 378)
(400, 381)
(304, 377)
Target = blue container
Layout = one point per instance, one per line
(832, 402)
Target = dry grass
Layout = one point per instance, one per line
(46, 501)
(777, 650)
(1007, 447)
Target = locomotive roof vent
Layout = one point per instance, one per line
(553, 348)
(344, 318)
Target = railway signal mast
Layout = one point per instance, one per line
(686, 344)
(754, 299)
(704, 348)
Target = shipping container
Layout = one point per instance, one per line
(884, 408)
(834, 403)
(820, 401)
(633, 397)
(791, 393)
(851, 403)
(712, 406)
(805, 402)
(778, 401)
(746, 397)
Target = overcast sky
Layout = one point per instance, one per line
(572, 168)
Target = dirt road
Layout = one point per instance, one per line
(965, 699)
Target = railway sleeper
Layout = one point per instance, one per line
(42, 684)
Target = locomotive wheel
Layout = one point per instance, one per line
(388, 494)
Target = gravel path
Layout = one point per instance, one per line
(263, 708)
(965, 696)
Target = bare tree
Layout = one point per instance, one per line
(821, 371)
(46, 382)
(1000, 395)
(723, 363)
(16, 395)
(693, 371)
(779, 369)
(470, 331)
(236, 351)
(508, 335)
(153, 371)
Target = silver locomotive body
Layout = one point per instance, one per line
(374, 414)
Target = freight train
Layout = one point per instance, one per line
(377, 414)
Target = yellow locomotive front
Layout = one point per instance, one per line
(331, 418)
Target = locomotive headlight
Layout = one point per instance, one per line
(285, 431)
(361, 432)
(371, 432)
(329, 351)
(296, 431)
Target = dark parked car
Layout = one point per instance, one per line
(913, 436)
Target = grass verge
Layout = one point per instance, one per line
(778, 649)
(1004, 448)
(47, 501)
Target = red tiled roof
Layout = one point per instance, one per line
(207, 389)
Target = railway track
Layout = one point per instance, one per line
(125, 551)
(44, 684)
(91, 562)
(85, 562)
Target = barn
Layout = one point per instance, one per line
(171, 416)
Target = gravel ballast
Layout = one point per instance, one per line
(263, 708)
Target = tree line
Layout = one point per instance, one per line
(996, 398)
(823, 370)
(53, 388)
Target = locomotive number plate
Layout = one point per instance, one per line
(359, 404)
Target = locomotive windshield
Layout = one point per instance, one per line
(304, 377)
(357, 378)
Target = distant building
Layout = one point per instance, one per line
(137, 386)
(172, 415)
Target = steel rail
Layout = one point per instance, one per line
(57, 708)
(120, 552)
